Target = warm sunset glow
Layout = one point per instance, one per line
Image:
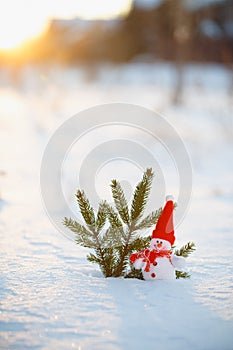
(23, 19)
(13, 40)
(19, 22)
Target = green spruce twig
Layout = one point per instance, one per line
(186, 250)
(133, 273)
(90, 236)
(130, 224)
(141, 195)
(120, 201)
(86, 209)
(149, 220)
(182, 274)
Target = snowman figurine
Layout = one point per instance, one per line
(158, 262)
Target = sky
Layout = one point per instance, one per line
(21, 20)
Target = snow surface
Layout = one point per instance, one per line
(51, 297)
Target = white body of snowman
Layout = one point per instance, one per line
(158, 261)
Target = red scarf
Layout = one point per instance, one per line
(150, 256)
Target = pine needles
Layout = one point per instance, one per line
(120, 201)
(128, 222)
(186, 250)
(112, 233)
(90, 236)
(141, 195)
(182, 274)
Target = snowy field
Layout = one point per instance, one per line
(50, 296)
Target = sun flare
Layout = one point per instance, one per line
(18, 23)
(22, 20)
(13, 36)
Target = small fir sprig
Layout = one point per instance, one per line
(182, 274)
(90, 236)
(186, 250)
(112, 246)
(128, 220)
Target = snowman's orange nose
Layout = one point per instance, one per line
(159, 245)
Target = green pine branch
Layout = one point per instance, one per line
(123, 256)
(149, 220)
(120, 201)
(101, 216)
(139, 243)
(129, 232)
(141, 195)
(90, 236)
(86, 210)
(186, 250)
(114, 218)
(133, 273)
(112, 238)
(83, 235)
(182, 274)
(104, 258)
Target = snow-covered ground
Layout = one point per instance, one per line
(51, 297)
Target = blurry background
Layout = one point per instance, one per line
(172, 56)
(68, 42)
(77, 32)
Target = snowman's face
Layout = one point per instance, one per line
(160, 244)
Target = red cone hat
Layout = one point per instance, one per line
(164, 228)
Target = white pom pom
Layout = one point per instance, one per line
(169, 198)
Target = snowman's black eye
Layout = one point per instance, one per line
(157, 241)
(161, 242)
